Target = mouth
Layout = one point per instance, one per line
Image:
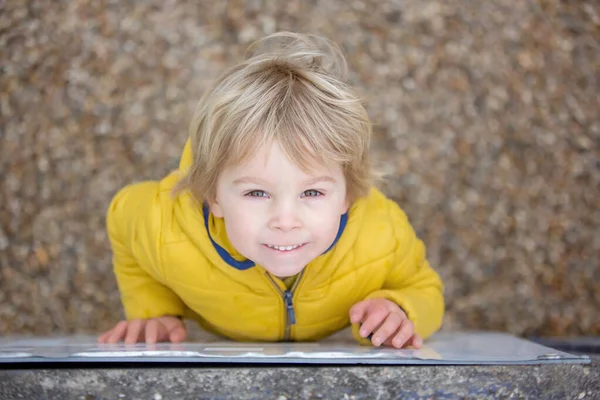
(285, 248)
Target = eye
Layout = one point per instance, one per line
(311, 193)
(257, 193)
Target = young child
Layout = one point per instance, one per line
(271, 228)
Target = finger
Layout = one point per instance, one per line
(175, 329)
(405, 332)
(375, 317)
(416, 341)
(117, 332)
(357, 312)
(133, 333)
(178, 335)
(388, 328)
(102, 338)
(151, 331)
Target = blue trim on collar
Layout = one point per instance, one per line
(244, 265)
(343, 221)
(241, 265)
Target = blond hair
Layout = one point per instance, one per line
(289, 89)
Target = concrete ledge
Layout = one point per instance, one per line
(559, 381)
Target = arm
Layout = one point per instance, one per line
(411, 283)
(134, 223)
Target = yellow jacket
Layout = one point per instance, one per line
(166, 264)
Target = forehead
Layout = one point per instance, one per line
(270, 160)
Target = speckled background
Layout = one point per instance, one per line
(486, 113)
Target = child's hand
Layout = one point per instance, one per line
(389, 324)
(160, 329)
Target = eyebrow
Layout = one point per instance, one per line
(248, 179)
(253, 180)
(319, 179)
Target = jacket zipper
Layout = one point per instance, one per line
(287, 296)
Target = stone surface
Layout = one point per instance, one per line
(487, 122)
(561, 381)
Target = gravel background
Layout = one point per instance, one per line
(487, 121)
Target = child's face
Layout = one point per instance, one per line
(268, 202)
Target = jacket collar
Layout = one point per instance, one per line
(216, 227)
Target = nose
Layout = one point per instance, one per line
(284, 217)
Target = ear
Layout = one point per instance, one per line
(346, 206)
(215, 208)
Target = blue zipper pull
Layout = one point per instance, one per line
(289, 305)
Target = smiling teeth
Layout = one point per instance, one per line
(284, 248)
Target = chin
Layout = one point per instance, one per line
(284, 272)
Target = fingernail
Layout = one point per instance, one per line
(363, 332)
(376, 341)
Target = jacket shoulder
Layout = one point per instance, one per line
(382, 228)
(134, 205)
(134, 222)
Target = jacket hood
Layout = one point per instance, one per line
(185, 162)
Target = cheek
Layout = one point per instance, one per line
(240, 225)
(326, 222)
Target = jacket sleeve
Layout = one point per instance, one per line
(133, 224)
(411, 282)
